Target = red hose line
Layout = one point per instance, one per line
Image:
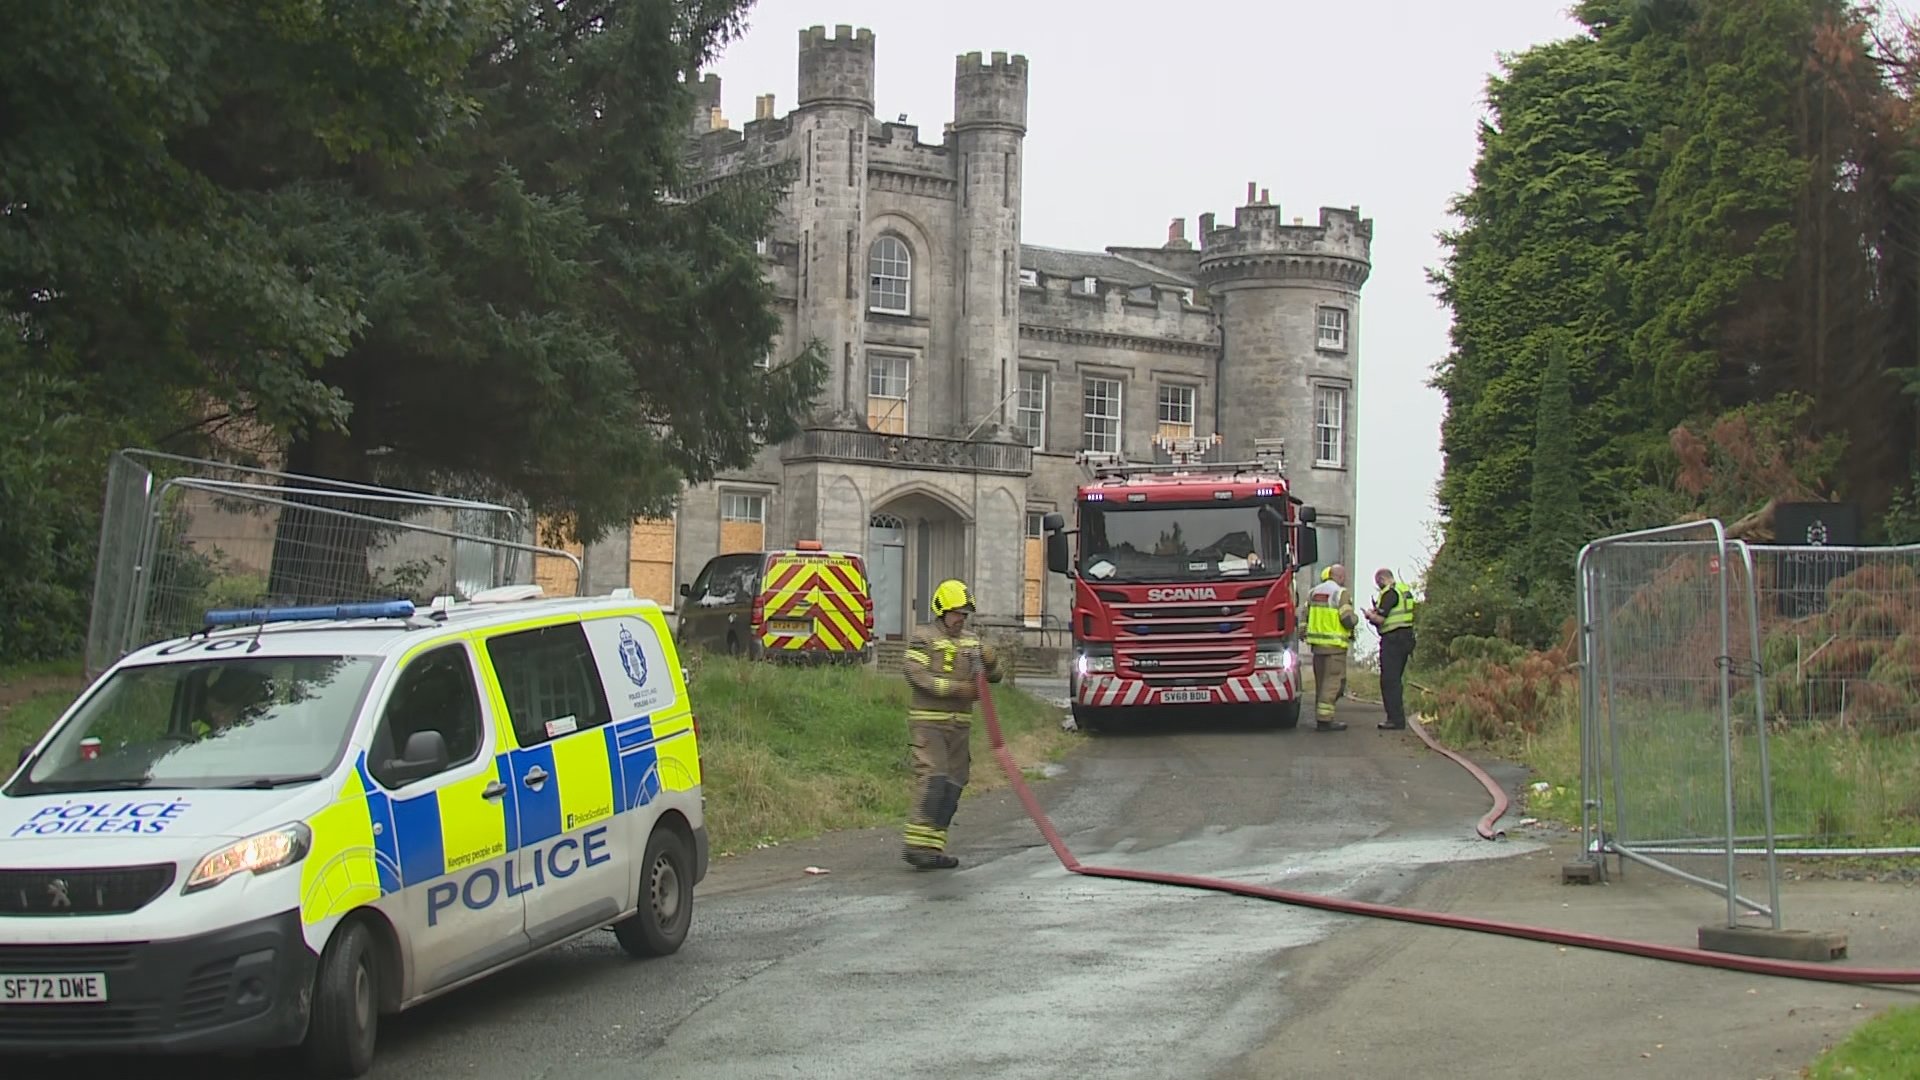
(1485, 826)
(1790, 969)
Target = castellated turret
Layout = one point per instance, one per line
(830, 205)
(988, 134)
(1286, 296)
(837, 70)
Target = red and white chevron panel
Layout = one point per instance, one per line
(1105, 691)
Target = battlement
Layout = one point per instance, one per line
(1339, 247)
(1142, 313)
(723, 151)
(836, 70)
(706, 103)
(990, 93)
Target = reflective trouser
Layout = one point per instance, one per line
(941, 760)
(1329, 679)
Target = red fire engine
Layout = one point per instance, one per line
(1183, 589)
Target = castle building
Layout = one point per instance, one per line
(970, 367)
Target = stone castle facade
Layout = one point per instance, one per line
(970, 367)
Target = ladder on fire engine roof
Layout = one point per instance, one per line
(1269, 455)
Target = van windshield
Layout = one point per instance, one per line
(227, 723)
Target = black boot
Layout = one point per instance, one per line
(929, 860)
(1330, 725)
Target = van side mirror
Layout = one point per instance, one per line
(1308, 515)
(1307, 551)
(1058, 557)
(686, 589)
(425, 754)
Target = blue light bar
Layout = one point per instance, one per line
(384, 609)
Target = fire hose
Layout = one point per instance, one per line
(1791, 969)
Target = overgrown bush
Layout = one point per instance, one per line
(1492, 698)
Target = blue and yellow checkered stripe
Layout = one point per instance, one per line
(591, 776)
(368, 844)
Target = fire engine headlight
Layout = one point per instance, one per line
(257, 854)
(1281, 658)
(1091, 663)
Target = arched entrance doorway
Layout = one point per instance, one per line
(914, 542)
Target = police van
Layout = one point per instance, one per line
(280, 828)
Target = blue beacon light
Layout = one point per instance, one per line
(385, 609)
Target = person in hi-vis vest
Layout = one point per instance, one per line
(1330, 623)
(1392, 614)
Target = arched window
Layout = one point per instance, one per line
(890, 277)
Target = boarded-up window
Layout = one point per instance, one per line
(743, 522)
(1035, 604)
(1176, 412)
(650, 560)
(556, 576)
(888, 378)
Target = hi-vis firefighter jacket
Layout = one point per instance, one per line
(939, 671)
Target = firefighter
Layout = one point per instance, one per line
(1330, 624)
(940, 663)
(1392, 614)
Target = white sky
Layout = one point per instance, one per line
(1138, 114)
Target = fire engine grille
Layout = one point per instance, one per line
(1184, 643)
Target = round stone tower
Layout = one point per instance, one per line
(830, 121)
(989, 132)
(1287, 300)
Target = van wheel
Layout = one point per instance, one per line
(346, 1007)
(666, 899)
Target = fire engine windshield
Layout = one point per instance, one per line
(1180, 543)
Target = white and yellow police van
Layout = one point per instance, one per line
(272, 832)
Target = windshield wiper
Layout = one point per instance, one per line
(265, 782)
(123, 783)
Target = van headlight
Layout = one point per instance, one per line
(1091, 662)
(257, 854)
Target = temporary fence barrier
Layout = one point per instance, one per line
(179, 535)
(1673, 733)
(1840, 647)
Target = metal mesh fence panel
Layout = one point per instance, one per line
(116, 568)
(1841, 651)
(190, 535)
(1675, 757)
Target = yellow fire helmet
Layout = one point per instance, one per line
(952, 595)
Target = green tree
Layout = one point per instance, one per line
(147, 269)
(1550, 230)
(550, 312)
(1698, 200)
(1557, 526)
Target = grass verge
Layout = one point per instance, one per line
(1886, 1046)
(1832, 786)
(32, 696)
(790, 753)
